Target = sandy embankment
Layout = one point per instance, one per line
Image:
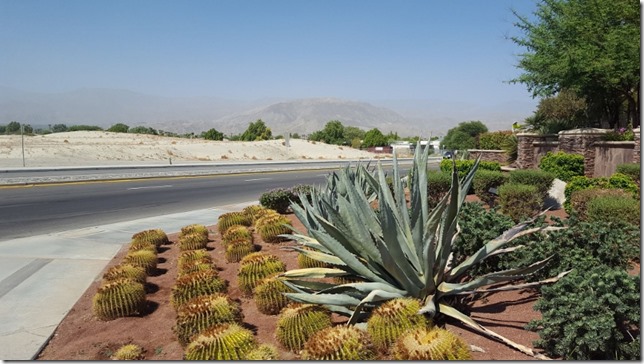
(92, 148)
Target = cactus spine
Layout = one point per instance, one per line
(256, 266)
(238, 249)
(145, 259)
(298, 322)
(221, 342)
(196, 284)
(339, 343)
(156, 236)
(236, 232)
(232, 218)
(431, 344)
(193, 241)
(263, 352)
(268, 296)
(128, 271)
(119, 298)
(253, 211)
(392, 319)
(270, 227)
(195, 229)
(129, 352)
(142, 245)
(203, 312)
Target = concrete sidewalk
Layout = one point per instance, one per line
(42, 277)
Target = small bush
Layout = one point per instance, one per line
(494, 140)
(303, 190)
(582, 245)
(614, 209)
(478, 226)
(278, 199)
(590, 315)
(617, 180)
(533, 177)
(438, 184)
(519, 201)
(563, 165)
(464, 166)
(484, 181)
(630, 169)
(580, 199)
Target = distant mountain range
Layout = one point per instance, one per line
(105, 107)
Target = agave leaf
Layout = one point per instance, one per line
(451, 312)
(315, 255)
(373, 296)
(313, 273)
(341, 252)
(337, 299)
(491, 278)
(447, 229)
(308, 242)
(366, 287)
(522, 285)
(356, 228)
(368, 221)
(303, 286)
(489, 248)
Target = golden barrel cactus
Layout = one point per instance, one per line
(298, 322)
(203, 312)
(221, 342)
(431, 344)
(119, 298)
(339, 343)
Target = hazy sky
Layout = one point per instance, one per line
(453, 50)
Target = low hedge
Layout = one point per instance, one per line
(563, 165)
(630, 169)
(519, 201)
(438, 184)
(534, 177)
(464, 166)
(614, 209)
(486, 184)
(617, 180)
(579, 199)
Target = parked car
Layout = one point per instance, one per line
(448, 155)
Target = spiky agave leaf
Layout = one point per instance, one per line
(399, 251)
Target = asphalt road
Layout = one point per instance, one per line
(27, 211)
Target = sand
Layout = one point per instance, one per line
(92, 148)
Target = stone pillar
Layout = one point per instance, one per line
(637, 150)
(582, 141)
(525, 150)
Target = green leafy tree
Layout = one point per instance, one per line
(3, 129)
(351, 133)
(213, 134)
(589, 47)
(119, 128)
(257, 131)
(28, 129)
(13, 128)
(374, 138)
(464, 136)
(333, 133)
(59, 128)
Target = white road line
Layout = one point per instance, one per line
(141, 188)
(256, 179)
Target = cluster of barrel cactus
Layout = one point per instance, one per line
(122, 290)
(229, 219)
(254, 267)
(271, 225)
(298, 322)
(203, 312)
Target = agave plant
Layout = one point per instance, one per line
(398, 250)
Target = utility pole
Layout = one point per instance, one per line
(22, 136)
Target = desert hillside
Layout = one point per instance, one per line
(84, 148)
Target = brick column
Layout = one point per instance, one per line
(637, 151)
(582, 141)
(525, 150)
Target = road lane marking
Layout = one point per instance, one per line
(256, 179)
(149, 187)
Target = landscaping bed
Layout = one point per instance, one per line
(81, 336)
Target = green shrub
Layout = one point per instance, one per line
(464, 166)
(484, 181)
(533, 177)
(519, 201)
(563, 165)
(582, 245)
(478, 226)
(301, 189)
(494, 140)
(580, 199)
(438, 184)
(617, 180)
(591, 315)
(278, 199)
(614, 209)
(84, 128)
(630, 169)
